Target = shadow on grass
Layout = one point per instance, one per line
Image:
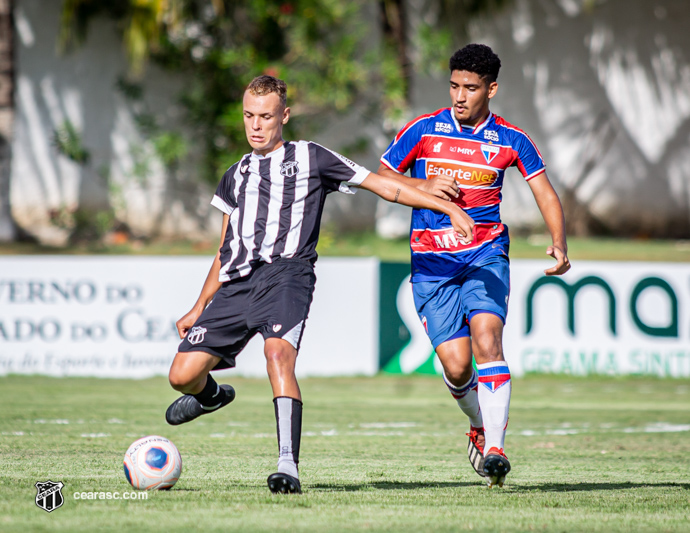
(390, 485)
(583, 487)
(543, 487)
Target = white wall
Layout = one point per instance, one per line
(603, 90)
(81, 87)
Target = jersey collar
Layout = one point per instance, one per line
(476, 129)
(277, 151)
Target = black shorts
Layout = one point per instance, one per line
(273, 300)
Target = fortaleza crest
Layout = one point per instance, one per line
(196, 335)
(49, 496)
(289, 169)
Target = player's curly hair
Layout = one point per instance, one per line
(264, 84)
(477, 58)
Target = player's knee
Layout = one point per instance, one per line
(278, 356)
(179, 379)
(487, 349)
(458, 373)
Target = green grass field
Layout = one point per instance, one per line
(369, 244)
(378, 454)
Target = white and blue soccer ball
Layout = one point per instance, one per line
(152, 463)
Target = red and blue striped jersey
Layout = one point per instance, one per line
(477, 157)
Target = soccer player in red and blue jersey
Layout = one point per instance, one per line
(461, 289)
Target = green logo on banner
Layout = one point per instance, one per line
(403, 345)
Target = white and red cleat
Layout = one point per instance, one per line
(475, 449)
(496, 467)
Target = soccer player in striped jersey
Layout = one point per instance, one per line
(460, 154)
(262, 278)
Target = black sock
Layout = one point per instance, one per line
(211, 394)
(289, 425)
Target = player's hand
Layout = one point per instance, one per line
(185, 323)
(444, 187)
(463, 225)
(562, 263)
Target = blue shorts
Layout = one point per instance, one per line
(445, 307)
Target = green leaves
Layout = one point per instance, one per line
(68, 142)
(334, 55)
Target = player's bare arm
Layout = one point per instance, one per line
(398, 191)
(443, 186)
(551, 209)
(209, 289)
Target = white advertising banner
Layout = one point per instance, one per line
(115, 316)
(599, 318)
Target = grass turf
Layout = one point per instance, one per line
(378, 454)
(395, 250)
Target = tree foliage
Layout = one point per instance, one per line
(320, 47)
(334, 55)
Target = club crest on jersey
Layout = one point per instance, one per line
(289, 169)
(490, 151)
(491, 135)
(443, 127)
(196, 335)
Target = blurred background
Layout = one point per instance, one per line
(117, 120)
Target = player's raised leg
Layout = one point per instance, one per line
(281, 357)
(461, 379)
(189, 374)
(494, 392)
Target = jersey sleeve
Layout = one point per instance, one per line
(529, 160)
(403, 151)
(224, 199)
(337, 172)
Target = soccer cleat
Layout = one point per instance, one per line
(186, 408)
(496, 466)
(475, 449)
(281, 483)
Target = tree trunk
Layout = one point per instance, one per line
(7, 227)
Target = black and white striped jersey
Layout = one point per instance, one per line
(275, 203)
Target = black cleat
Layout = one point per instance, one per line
(186, 408)
(475, 449)
(496, 466)
(281, 483)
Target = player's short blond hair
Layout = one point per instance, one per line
(263, 85)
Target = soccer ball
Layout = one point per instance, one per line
(152, 463)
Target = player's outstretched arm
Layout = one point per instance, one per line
(397, 191)
(551, 209)
(442, 186)
(211, 286)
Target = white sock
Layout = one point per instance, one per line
(288, 413)
(468, 399)
(494, 398)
